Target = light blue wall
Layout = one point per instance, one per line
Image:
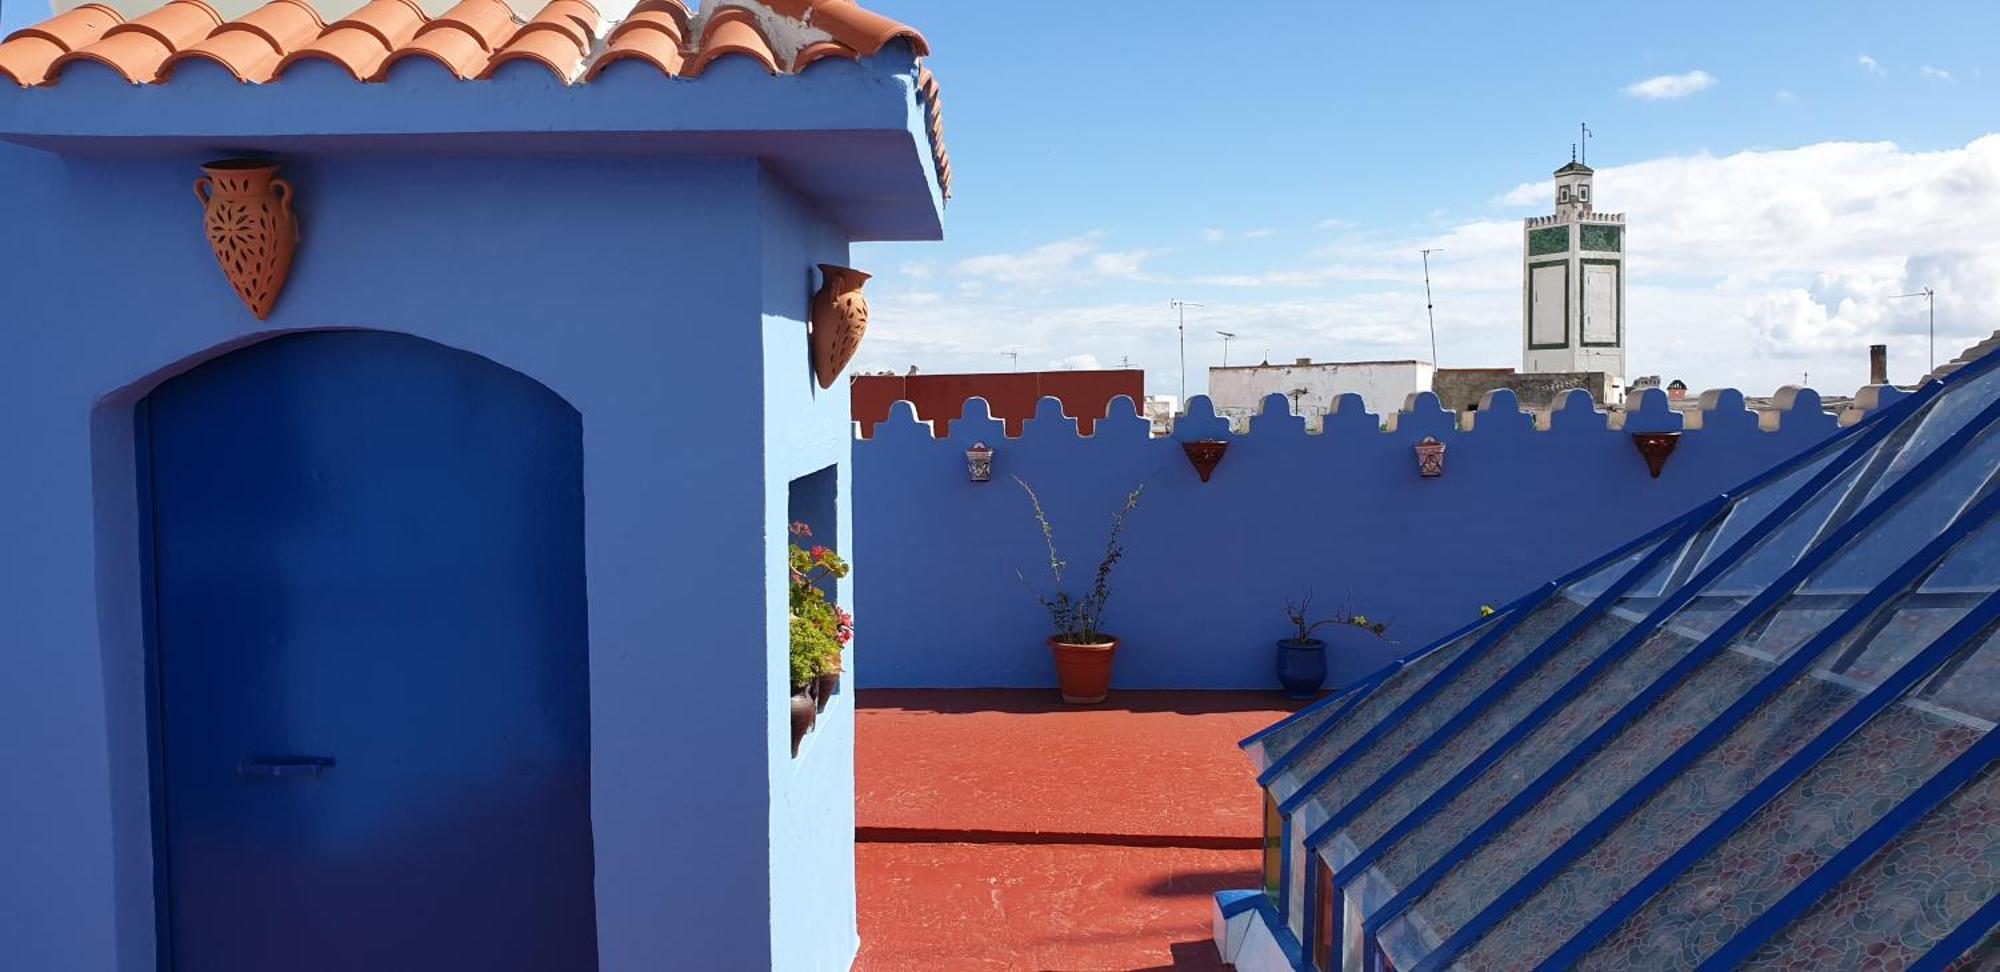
(1200, 595)
(559, 269)
(806, 428)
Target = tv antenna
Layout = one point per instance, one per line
(1583, 139)
(1181, 306)
(1430, 310)
(1930, 303)
(1015, 355)
(1227, 336)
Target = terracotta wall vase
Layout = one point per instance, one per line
(839, 321)
(1656, 447)
(248, 215)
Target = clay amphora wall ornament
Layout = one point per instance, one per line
(839, 320)
(247, 212)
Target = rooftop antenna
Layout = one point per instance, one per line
(1583, 139)
(1227, 336)
(1181, 306)
(1016, 355)
(1429, 309)
(1930, 302)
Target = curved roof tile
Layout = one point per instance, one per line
(732, 30)
(471, 40)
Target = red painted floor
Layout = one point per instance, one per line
(1001, 830)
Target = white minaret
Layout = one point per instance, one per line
(1573, 284)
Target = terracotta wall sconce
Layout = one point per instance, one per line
(1430, 457)
(979, 462)
(247, 212)
(839, 320)
(1206, 454)
(1656, 447)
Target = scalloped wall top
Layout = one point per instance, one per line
(471, 39)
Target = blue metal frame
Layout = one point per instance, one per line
(1850, 858)
(1535, 595)
(1417, 699)
(1891, 415)
(1921, 667)
(1961, 939)
(1669, 605)
(1688, 526)
(1360, 691)
(1807, 564)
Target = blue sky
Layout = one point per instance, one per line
(1282, 163)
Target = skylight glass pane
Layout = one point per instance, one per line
(1321, 752)
(1916, 521)
(1953, 408)
(1912, 893)
(1695, 798)
(1759, 503)
(1490, 870)
(1792, 836)
(1434, 712)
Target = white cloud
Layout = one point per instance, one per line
(1871, 66)
(1671, 85)
(1746, 269)
(1077, 260)
(1077, 362)
(920, 269)
(1934, 73)
(1786, 96)
(1212, 235)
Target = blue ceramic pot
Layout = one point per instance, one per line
(1302, 667)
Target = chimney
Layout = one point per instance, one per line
(1878, 364)
(1305, 361)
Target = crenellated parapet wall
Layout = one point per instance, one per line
(1341, 513)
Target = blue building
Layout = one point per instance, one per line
(409, 592)
(1760, 736)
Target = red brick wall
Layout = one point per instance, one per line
(941, 398)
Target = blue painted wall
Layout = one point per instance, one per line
(1200, 596)
(660, 288)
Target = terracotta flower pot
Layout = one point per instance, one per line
(247, 211)
(802, 716)
(1083, 672)
(824, 689)
(839, 320)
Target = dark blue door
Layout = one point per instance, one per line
(374, 727)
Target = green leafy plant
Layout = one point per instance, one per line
(1300, 615)
(819, 627)
(1079, 619)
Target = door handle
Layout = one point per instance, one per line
(284, 766)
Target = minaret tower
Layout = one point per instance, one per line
(1573, 284)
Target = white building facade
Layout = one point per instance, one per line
(1573, 284)
(1238, 392)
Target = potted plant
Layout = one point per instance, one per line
(1083, 652)
(820, 629)
(1302, 657)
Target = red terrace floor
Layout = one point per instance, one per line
(1002, 830)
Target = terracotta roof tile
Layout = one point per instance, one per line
(471, 40)
(732, 30)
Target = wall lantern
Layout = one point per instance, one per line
(247, 216)
(1205, 454)
(979, 462)
(1656, 447)
(1430, 457)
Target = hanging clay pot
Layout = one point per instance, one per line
(1205, 454)
(248, 216)
(1656, 447)
(839, 320)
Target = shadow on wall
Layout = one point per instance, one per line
(1199, 597)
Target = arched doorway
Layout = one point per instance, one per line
(369, 633)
